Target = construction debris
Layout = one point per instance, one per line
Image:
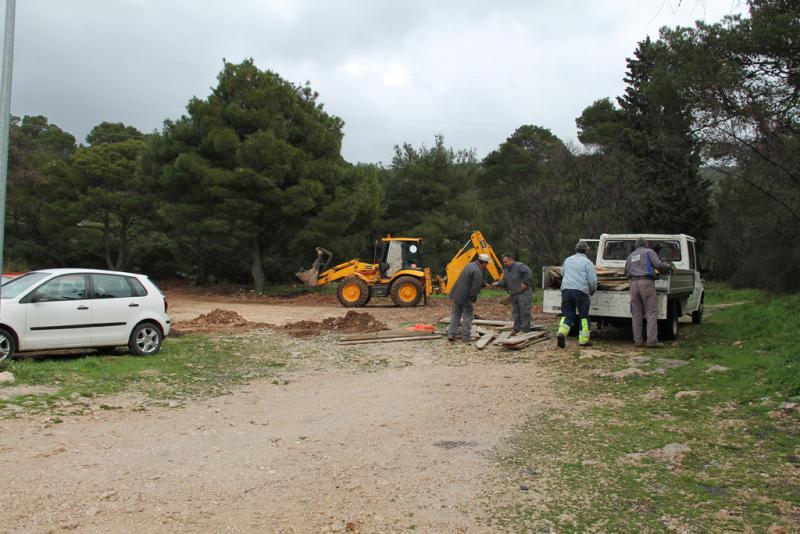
(485, 339)
(520, 341)
(613, 279)
(502, 337)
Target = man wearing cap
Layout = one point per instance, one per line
(640, 268)
(517, 281)
(578, 284)
(464, 294)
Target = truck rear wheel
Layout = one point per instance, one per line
(668, 328)
(353, 292)
(697, 315)
(407, 292)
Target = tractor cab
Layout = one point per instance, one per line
(394, 254)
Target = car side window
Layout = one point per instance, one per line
(110, 286)
(66, 287)
(692, 257)
(136, 287)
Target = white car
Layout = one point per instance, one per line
(75, 308)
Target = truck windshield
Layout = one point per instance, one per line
(619, 249)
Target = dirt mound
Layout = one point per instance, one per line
(353, 322)
(215, 321)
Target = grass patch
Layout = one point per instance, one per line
(598, 464)
(187, 367)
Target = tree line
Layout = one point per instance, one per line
(241, 188)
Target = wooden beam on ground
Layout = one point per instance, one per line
(386, 334)
(486, 339)
(487, 322)
(502, 337)
(521, 338)
(392, 339)
(527, 343)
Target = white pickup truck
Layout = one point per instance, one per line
(679, 292)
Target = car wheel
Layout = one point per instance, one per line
(668, 328)
(145, 339)
(8, 345)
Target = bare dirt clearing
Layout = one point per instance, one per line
(387, 437)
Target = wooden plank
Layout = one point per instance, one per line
(527, 343)
(487, 322)
(502, 337)
(391, 339)
(486, 339)
(385, 334)
(522, 338)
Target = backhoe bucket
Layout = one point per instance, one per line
(310, 276)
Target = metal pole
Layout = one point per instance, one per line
(5, 114)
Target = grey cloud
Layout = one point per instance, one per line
(472, 71)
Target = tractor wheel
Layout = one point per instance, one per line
(353, 292)
(407, 292)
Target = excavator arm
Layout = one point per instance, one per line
(476, 245)
(313, 277)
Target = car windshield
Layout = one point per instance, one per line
(619, 249)
(20, 284)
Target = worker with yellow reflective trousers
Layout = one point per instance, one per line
(578, 284)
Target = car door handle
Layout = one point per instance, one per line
(133, 305)
(83, 307)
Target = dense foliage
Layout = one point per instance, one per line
(704, 141)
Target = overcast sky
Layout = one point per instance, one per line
(394, 71)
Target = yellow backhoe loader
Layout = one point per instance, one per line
(397, 272)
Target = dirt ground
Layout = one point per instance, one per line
(410, 445)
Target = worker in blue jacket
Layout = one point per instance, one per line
(578, 284)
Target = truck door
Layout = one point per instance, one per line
(59, 314)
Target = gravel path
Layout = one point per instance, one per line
(409, 446)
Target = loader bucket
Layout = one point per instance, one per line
(311, 276)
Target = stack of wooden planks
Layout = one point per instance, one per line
(608, 279)
(499, 333)
(490, 332)
(520, 341)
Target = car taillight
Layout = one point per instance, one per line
(166, 304)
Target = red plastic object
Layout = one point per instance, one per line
(419, 326)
